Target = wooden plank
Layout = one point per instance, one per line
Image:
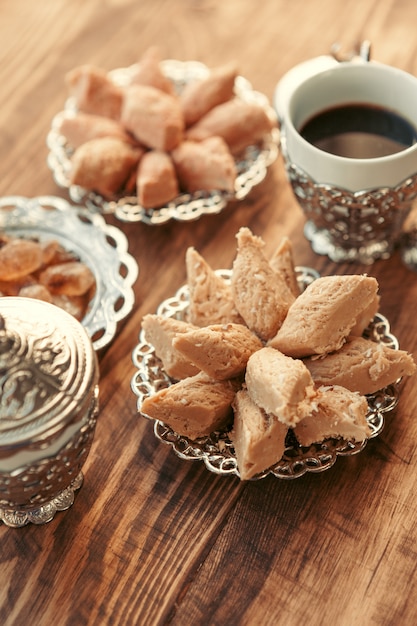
(153, 539)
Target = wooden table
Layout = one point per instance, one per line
(152, 539)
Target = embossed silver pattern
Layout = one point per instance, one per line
(408, 244)
(48, 409)
(44, 513)
(104, 248)
(252, 165)
(351, 226)
(217, 451)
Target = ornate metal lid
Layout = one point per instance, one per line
(48, 371)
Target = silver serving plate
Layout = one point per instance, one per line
(104, 248)
(217, 451)
(252, 166)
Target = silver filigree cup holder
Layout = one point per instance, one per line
(48, 409)
(355, 207)
(216, 451)
(408, 245)
(360, 226)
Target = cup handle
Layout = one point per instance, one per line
(361, 53)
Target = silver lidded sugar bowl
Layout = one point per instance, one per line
(48, 409)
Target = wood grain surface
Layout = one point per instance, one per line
(152, 539)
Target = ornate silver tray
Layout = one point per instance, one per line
(216, 451)
(104, 248)
(252, 166)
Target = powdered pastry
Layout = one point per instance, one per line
(365, 317)
(148, 71)
(193, 407)
(104, 164)
(282, 262)
(361, 365)
(160, 332)
(238, 122)
(156, 179)
(220, 350)
(258, 438)
(205, 165)
(338, 413)
(199, 96)
(321, 318)
(262, 296)
(94, 92)
(81, 127)
(211, 300)
(153, 116)
(280, 385)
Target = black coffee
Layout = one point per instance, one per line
(359, 131)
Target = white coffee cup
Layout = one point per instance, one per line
(355, 207)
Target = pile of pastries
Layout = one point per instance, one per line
(148, 139)
(45, 270)
(258, 357)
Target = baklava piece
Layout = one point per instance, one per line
(322, 317)
(280, 385)
(261, 296)
(282, 262)
(205, 165)
(193, 407)
(258, 438)
(94, 91)
(104, 165)
(361, 365)
(238, 122)
(156, 179)
(160, 332)
(338, 414)
(219, 350)
(148, 72)
(81, 127)
(200, 96)
(153, 117)
(210, 296)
